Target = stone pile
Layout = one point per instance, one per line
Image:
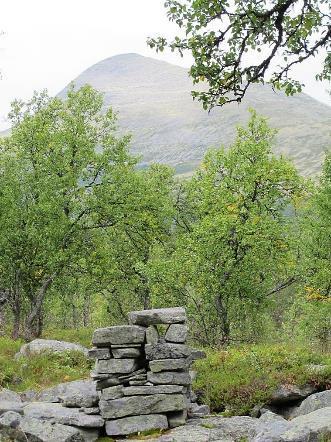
(143, 377)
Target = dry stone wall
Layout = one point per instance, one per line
(142, 375)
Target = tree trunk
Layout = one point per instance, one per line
(224, 320)
(33, 324)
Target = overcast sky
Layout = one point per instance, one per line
(47, 43)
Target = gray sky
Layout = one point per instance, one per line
(47, 43)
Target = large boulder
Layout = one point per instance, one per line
(288, 393)
(312, 403)
(8, 395)
(49, 345)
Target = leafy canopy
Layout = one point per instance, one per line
(235, 43)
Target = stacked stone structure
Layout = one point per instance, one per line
(143, 377)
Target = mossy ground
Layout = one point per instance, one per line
(235, 380)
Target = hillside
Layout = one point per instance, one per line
(154, 104)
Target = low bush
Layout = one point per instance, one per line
(39, 371)
(236, 380)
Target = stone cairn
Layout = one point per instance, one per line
(143, 377)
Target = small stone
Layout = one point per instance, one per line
(176, 333)
(167, 351)
(105, 383)
(195, 410)
(119, 334)
(116, 366)
(126, 352)
(152, 389)
(152, 404)
(133, 375)
(10, 419)
(99, 353)
(135, 424)
(177, 418)
(196, 354)
(125, 346)
(112, 393)
(158, 365)
(137, 383)
(169, 377)
(158, 316)
(152, 335)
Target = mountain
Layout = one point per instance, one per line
(154, 103)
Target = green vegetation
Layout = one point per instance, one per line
(86, 236)
(40, 371)
(234, 380)
(235, 43)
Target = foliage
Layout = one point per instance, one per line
(235, 380)
(233, 249)
(237, 43)
(39, 371)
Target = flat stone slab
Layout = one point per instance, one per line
(135, 424)
(158, 365)
(152, 335)
(127, 352)
(169, 377)
(176, 333)
(116, 366)
(62, 415)
(99, 353)
(152, 389)
(119, 334)
(110, 393)
(286, 393)
(153, 404)
(176, 315)
(167, 351)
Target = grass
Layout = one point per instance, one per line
(234, 381)
(40, 371)
(81, 336)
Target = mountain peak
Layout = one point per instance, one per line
(154, 103)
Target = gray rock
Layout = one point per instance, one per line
(10, 419)
(158, 316)
(99, 353)
(135, 424)
(155, 389)
(62, 415)
(90, 410)
(116, 366)
(88, 434)
(286, 393)
(152, 335)
(312, 427)
(270, 427)
(158, 365)
(8, 395)
(169, 377)
(105, 383)
(196, 410)
(176, 333)
(152, 404)
(11, 406)
(137, 383)
(79, 394)
(125, 346)
(42, 431)
(110, 393)
(119, 334)
(312, 403)
(49, 345)
(166, 351)
(196, 354)
(135, 375)
(177, 418)
(127, 352)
